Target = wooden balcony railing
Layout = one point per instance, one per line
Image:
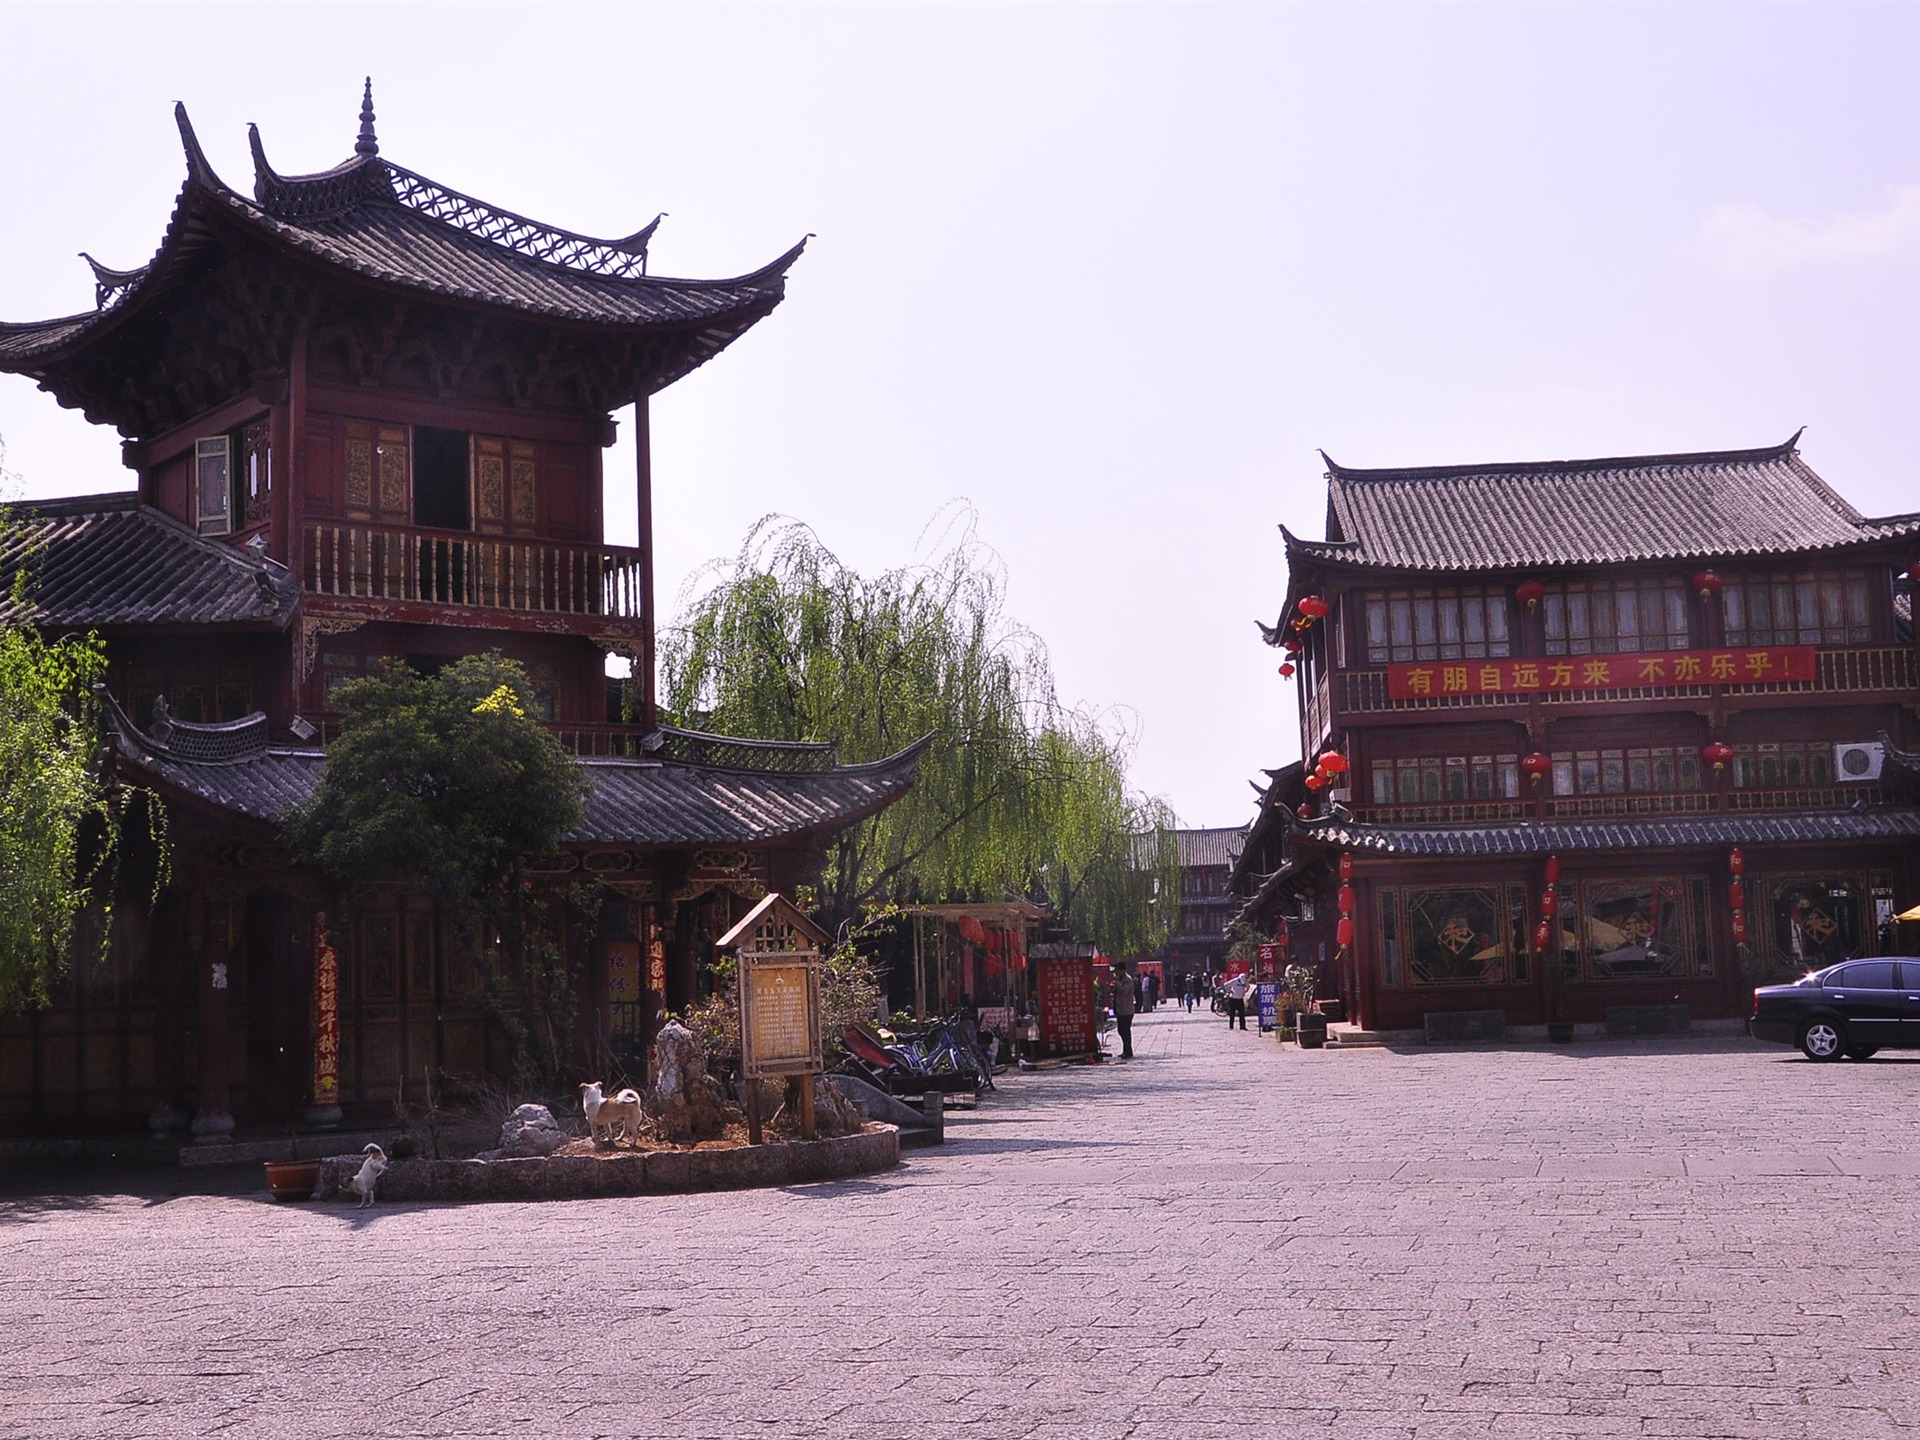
(493, 572)
(1609, 807)
(1865, 669)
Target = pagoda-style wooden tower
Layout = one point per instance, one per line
(367, 414)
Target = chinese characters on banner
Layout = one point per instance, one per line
(1268, 994)
(1269, 958)
(1064, 988)
(326, 1016)
(1759, 666)
(781, 1015)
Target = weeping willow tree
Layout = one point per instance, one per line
(1017, 795)
(60, 824)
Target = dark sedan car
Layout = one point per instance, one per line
(1851, 1009)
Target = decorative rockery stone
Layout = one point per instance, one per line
(688, 1102)
(530, 1131)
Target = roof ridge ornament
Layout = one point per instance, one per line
(197, 167)
(368, 143)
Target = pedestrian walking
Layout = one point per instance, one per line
(1124, 998)
(1236, 992)
(1190, 991)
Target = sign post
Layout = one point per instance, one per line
(777, 949)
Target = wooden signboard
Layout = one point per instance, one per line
(778, 952)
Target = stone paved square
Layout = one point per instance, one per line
(1223, 1237)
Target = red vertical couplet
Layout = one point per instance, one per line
(326, 1016)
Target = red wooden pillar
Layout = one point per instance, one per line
(643, 487)
(214, 1120)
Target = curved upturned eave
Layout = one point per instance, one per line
(39, 344)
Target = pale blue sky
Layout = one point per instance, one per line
(1110, 273)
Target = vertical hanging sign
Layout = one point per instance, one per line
(326, 1016)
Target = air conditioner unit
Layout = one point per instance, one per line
(1858, 760)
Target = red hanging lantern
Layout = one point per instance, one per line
(1542, 935)
(1333, 763)
(1553, 869)
(1530, 593)
(1737, 895)
(1316, 781)
(1343, 932)
(1283, 936)
(1286, 671)
(1305, 812)
(1913, 572)
(1708, 584)
(1346, 867)
(1537, 766)
(1346, 899)
(1737, 862)
(1549, 904)
(1292, 645)
(1739, 929)
(1314, 608)
(1719, 755)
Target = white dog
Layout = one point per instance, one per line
(362, 1184)
(622, 1110)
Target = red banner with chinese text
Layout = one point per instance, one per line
(1063, 987)
(1755, 666)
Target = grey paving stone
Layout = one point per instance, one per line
(1686, 1236)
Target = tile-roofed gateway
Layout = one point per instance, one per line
(1585, 512)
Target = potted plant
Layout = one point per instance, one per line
(1310, 1026)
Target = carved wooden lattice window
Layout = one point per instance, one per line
(505, 486)
(379, 482)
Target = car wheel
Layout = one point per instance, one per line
(1820, 1039)
(1862, 1052)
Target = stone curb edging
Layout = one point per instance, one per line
(657, 1172)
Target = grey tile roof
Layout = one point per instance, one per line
(1567, 837)
(381, 222)
(1583, 512)
(1210, 847)
(105, 560)
(629, 802)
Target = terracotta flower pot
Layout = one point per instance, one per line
(292, 1179)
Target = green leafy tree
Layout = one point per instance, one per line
(1018, 794)
(54, 811)
(446, 784)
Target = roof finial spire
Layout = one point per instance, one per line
(367, 144)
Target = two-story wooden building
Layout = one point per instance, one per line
(366, 414)
(1604, 735)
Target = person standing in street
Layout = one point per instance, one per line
(1190, 991)
(1236, 992)
(1124, 997)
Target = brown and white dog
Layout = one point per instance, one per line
(368, 1175)
(608, 1112)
